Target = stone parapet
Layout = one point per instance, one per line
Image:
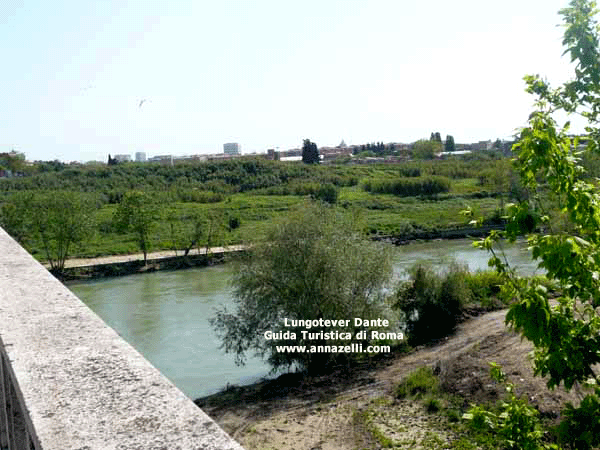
(68, 381)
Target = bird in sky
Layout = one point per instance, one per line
(141, 102)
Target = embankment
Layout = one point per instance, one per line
(112, 266)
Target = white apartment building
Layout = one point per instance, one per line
(232, 148)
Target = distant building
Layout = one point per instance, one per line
(330, 154)
(163, 159)
(290, 158)
(140, 156)
(232, 148)
(272, 154)
(483, 145)
(122, 158)
(455, 153)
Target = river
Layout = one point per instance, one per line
(164, 315)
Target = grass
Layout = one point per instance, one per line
(364, 420)
(424, 387)
(420, 382)
(384, 214)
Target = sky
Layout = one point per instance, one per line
(266, 74)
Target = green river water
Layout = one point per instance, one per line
(164, 315)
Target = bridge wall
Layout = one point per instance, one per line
(68, 381)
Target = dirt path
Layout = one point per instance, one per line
(323, 413)
(85, 262)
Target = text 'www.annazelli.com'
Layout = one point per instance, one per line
(352, 348)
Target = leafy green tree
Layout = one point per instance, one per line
(424, 149)
(214, 230)
(59, 221)
(565, 334)
(315, 264)
(194, 231)
(16, 217)
(199, 230)
(137, 212)
(13, 161)
(310, 152)
(449, 145)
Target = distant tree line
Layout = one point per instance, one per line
(375, 148)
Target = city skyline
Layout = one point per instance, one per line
(184, 78)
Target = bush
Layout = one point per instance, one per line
(580, 427)
(197, 196)
(421, 381)
(234, 223)
(516, 424)
(408, 187)
(327, 193)
(432, 304)
(484, 286)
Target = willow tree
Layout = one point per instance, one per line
(314, 264)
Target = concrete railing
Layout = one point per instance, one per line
(68, 381)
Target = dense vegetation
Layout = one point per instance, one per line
(227, 201)
(565, 240)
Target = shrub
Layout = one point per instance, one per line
(580, 427)
(432, 304)
(327, 193)
(197, 196)
(516, 423)
(234, 222)
(484, 286)
(421, 381)
(408, 187)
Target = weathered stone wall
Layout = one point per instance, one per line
(71, 382)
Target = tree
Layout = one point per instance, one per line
(449, 144)
(58, 221)
(436, 137)
(13, 161)
(214, 229)
(310, 152)
(315, 264)
(565, 335)
(424, 149)
(15, 216)
(137, 213)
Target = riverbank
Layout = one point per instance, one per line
(359, 409)
(451, 233)
(119, 265)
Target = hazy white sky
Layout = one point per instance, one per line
(266, 73)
